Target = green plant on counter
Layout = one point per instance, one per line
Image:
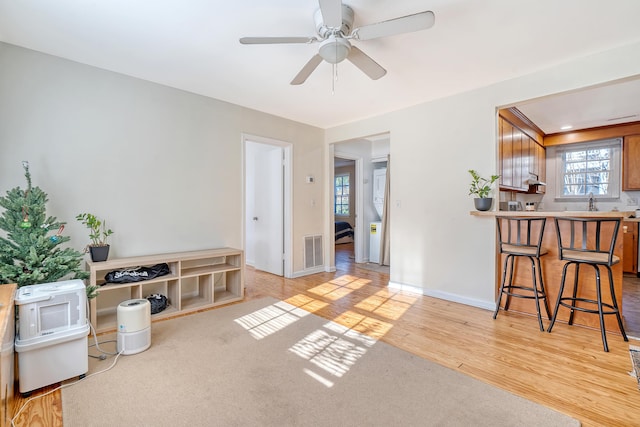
(480, 187)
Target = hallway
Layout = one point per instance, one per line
(345, 260)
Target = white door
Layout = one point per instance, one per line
(265, 207)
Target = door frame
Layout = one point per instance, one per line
(287, 149)
(358, 232)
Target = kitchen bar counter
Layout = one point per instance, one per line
(552, 268)
(573, 214)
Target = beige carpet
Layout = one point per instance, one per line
(266, 363)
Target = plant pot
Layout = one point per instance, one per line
(483, 204)
(99, 253)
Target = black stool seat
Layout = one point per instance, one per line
(588, 241)
(521, 237)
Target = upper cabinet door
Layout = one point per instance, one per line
(631, 163)
(506, 153)
(519, 157)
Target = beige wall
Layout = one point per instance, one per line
(162, 166)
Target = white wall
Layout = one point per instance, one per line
(162, 166)
(437, 245)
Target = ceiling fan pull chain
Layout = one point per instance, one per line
(335, 77)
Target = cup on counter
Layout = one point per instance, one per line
(514, 206)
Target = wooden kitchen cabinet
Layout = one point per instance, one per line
(506, 153)
(520, 156)
(541, 166)
(630, 247)
(630, 163)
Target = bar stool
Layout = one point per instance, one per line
(522, 237)
(588, 241)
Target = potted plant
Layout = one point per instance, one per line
(481, 187)
(98, 248)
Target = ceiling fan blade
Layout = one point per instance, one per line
(307, 70)
(368, 66)
(331, 12)
(404, 24)
(276, 40)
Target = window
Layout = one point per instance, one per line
(341, 195)
(585, 169)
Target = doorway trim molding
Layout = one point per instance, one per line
(359, 234)
(287, 149)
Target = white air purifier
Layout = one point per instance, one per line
(134, 326)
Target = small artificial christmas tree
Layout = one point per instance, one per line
(30, 254)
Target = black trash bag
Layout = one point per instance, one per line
(158, 303)
(137, 274)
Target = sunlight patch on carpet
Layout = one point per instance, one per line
(331, 353)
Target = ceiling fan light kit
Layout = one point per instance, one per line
(334, 49)
(334, 22)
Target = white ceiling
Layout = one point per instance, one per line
(605, 105)
(193, 45)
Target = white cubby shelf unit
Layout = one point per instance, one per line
(197, 280)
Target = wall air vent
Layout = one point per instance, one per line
(313, 255)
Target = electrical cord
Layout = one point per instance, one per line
(102, 356)
(115, 360)
(96, 344)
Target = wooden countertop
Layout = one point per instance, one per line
(7, 293)
(578, 214)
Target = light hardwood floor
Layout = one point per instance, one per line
(565, 370)
(631, 304)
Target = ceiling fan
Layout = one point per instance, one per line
(334, 21)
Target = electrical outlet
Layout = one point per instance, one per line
(631, 201)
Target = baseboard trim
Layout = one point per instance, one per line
(308, 272)
(486, 305)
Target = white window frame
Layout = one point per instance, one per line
(615, 175)
(335, 195)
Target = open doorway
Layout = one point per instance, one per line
(358, 215)
(345, 189)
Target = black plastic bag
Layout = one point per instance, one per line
(158, 303)
(137, 274)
